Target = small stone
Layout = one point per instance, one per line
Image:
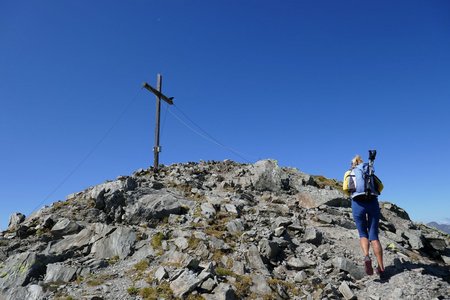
(235, 226)
(346, 291)
(238, 267)
(300, 276)
(208, 210)
(446, 259)
(282, 222)
(161, 273)
(181, 243)
(269, 249)
(231, 208)
(279, 231)
(297, 264)
(312, 236)
(209, 285)
(279, 272)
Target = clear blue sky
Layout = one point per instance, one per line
(309, 83)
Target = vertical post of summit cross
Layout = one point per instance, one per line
(157, 149)
(169, 100)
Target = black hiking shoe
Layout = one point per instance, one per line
(368, 265)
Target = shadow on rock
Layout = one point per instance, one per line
(433, 270)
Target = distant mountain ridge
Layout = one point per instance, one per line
(442, 227)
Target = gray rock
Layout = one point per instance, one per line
(260, 286)
(223, 291)
(437, 244)
(415, 239)
(208, 210)
(238, 267)
(297, 264)
(268, 249)
(231, 208)
(156, 206)
(20, 269)
(64, 227)
(400, 212)
(281, 222)
(30, 292)
(279, 272)
(209, 285)
(311, 197)
(59, 272)
(279, 231)
(181, 243)
(235, 226)
(181, 259)
(446, 259)
(124, 184)
(344, 264)
(218, 244)
(161, 274)
(119, 243)
(48, 221)
(300, 276)
(266, 175)
(254, 260)
(80, 240)
(346, 291)
(313, 236)
(184, 284)
(15, 219)
(323, 218)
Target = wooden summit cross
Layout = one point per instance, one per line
(159, 95)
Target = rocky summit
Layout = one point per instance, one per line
(215, 230)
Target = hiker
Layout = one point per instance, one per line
(366, 214)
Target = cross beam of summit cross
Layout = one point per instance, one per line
(159, 95)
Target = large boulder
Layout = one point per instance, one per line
(122, 184)
(347, 265)
(20, 269)
(266, 175)
(255, 261)
(59, 272)
(157, 205)
(119, 243)
(15, 220)
(65, 227)
(29, 292)
(185, 283)
(79, 241)
(312, 197)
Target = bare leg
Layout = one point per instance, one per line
(364, 243)
(378, 251)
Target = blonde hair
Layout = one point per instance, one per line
(356, 161)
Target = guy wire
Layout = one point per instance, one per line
(90, 152)
(205, 134)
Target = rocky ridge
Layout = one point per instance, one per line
(215, 230)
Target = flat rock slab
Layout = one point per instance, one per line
(156, 206)
(59, 272)
(185, 283)
(118, 243)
